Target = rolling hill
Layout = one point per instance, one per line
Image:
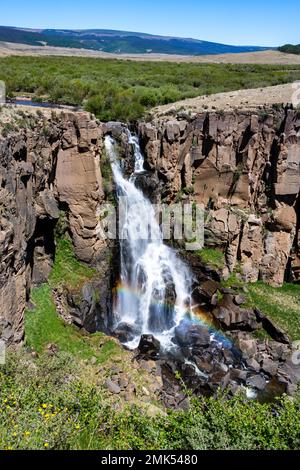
(119, 42)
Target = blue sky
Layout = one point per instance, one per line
(255, 22)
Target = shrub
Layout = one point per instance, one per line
(46, 405)
(125, 90)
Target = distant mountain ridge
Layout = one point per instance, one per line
(119, 42)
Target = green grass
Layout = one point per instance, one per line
(282, 304)
(46, 404)
(43, 326)
(67, 270)
(212, 257)
(125, 90)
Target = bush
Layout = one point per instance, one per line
(125, 90)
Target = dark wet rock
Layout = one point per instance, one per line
(229, 356)
(276, 333)
(274, 389)
(220, 379)
(125, 332)
(150, 185)
(206, 290)
(191, 334)
(84, 308)
(149, 346)
(231, 317)
(257, 381)
(201, 270)
(188, 370)
(204, 365)
(118, 130)
(238, 375)
(253, 364)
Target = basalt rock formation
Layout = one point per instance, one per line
(49, 165)
(244, 167)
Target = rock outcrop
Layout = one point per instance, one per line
(50, 163)
(245, 168)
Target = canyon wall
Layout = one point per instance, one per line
(49, 165)
(245, 168)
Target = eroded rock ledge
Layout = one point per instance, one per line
(245, 168)
(48, 164)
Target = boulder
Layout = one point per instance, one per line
(149, 346)
(192, 334)
(248, 347)
(239, 299)
(277, 333)
(253, 364)
(238, 375)
(269, 367)
(126, 332)
(231, 317)
(257, 381)
(205, 291)
(112, 387)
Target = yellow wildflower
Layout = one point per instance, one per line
(46, 445)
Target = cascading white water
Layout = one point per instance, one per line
(138, 156)
(154, 295)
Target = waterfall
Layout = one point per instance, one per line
(154, 291)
